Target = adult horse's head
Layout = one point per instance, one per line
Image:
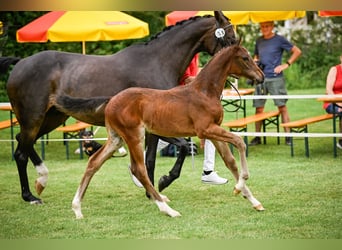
(223, 34)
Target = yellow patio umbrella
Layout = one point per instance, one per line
(237, 17)
(73, 26)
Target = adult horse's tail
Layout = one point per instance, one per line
(84, 109)
(6, 62)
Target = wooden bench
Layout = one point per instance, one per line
(9, 124)
(267, 118)
(301, 126)
(72, 132)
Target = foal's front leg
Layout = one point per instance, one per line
(219, 134)
(228, 158)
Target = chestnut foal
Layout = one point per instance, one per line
(191, 110)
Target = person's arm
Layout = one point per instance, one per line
(295, 53)
(331, 78)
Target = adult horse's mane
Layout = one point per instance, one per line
(176, 25)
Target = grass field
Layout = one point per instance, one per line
(302, 196)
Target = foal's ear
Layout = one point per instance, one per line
(239, 41)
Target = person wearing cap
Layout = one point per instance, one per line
(268, 54)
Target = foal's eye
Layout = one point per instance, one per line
(245, 58)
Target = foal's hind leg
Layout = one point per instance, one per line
(134, 143)
(94, 164)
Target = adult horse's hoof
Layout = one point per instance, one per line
(39, 187)
(259, 207)
(164, 182)
(32, 199)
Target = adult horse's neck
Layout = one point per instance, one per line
(184, 39)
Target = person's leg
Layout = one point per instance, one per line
(209, 175)
(278, 87)
(259, 104)
(339, 144)
(284, 116)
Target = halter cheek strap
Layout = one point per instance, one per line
(220, 34)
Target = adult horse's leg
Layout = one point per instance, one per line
(21, 156)
(151, 142)
(25, 149)
(174, 173)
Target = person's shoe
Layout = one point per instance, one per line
(134, 179)
(255, 141)
(339, 144)
(288, 141)
(213, 178)
(121, 152)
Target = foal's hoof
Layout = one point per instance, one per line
(259, 208)
(164, 182)
(236, 191)
(39, 187)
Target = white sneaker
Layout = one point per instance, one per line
(121, 152)
(213, 178)
(134, 179)
(339, 144)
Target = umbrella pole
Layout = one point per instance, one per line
(83, 48)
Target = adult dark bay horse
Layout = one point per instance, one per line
(191, 110)
(159, 64)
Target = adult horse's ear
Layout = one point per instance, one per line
(220, 17)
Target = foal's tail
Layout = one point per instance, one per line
(85, 109)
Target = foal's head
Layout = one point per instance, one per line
(242, 64)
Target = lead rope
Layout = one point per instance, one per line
(237, 91)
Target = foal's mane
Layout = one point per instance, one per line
(229, 50)
(179, 23)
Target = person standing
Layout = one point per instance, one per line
(334, 87)
(268, 53)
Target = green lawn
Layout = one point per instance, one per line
(302, 196)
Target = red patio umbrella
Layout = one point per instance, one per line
(326, 13)
(73, 26)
